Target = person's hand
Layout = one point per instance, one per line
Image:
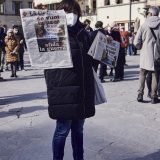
(21, 41)
(39, 6)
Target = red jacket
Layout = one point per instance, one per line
(125, 39)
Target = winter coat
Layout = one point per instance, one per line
(145, 41)
(94, 33)
(71, 90)
(12, 45)
(124, 39)
(22, 43)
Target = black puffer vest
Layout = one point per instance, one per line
(71, 90)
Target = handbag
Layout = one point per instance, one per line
(100, 96)
(156, 61)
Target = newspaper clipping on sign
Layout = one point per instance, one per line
(104, 51)
(46, 37)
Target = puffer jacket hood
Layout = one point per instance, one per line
(153, 21)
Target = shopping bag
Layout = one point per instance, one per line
(100, 96)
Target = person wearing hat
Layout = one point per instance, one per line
(147, 40)
(11, 47)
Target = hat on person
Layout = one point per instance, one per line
(154, 10)
(10, 31)
(99, 24)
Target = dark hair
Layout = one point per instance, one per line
(87, 20)
(70, 6)
(99, 24)
(15, 27)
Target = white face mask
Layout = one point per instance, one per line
(71, 19)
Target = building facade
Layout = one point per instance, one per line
(10, 11)
(120, 11)
(107, 11)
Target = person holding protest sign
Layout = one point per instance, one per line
(114, 32)
(103, 67)
(71, 90)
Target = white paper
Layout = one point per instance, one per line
(104, 51)
(46, 37)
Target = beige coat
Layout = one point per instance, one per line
(12, 45)
(145, 41)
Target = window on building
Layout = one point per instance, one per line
(87, 9)
(107, 2)
(51, 7)
(16, 6)
(2, 8)
(134, 0)
(30, 4)
(94, 6)
(119, 1)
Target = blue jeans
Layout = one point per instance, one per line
(130, 49)
(62, 130)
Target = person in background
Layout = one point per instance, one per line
(12, 48)
(71, 90)
(124, 41)
(19, 36)
(114, 32)
(130, 44)
(145, 41)
(2, 49)
(103, 67)
(133, 47)
(87, 24)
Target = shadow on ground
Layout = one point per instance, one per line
(21, 111)
(152, 156)
(22, 98)
(131, 66)
(19, 78)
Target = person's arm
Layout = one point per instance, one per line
(15, 51)
(138, 39)
(6, 46)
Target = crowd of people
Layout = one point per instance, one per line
(129, 43)
(71, 90)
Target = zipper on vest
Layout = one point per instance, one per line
(83, 69)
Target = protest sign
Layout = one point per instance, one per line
(104, 51)
(45, 2)
(46, 37)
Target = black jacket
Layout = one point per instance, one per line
(71, 90)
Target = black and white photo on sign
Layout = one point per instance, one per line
(46, 37)
(104, 50)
